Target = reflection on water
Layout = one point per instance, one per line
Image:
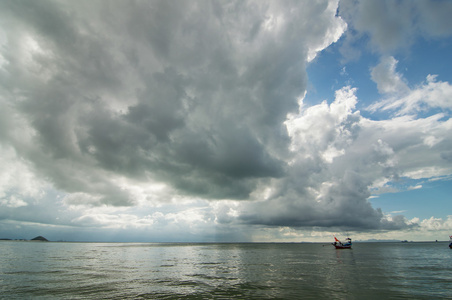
(251, 271)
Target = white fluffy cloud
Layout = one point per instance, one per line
(401, 99)
(437, 224)
(339, 157)
(387, 79)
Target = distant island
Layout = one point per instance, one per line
(38, 239)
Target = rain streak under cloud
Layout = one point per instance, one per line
(187, 120)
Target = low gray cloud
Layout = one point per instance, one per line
(395, 25)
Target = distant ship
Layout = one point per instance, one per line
(339, 245)
(450, 242)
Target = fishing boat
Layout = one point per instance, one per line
(339, 245)
(450, 242)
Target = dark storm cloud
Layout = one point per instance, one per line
(192, 94)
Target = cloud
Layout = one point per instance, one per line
(429, 99)
(18, 186)
(340, 157)
(431, 94)
(184, 119)
(395, 25)
(188, 94)
(436, 224)
(387, 79)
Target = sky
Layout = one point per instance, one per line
(225, 121)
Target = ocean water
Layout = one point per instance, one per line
(40, 270)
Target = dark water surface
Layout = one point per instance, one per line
(39, 270)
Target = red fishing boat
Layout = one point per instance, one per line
(339, 245)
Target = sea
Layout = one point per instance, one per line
(67, 270)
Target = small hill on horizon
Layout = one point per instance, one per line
(40, 238)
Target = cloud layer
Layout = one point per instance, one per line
(172, 115)
(191, 94)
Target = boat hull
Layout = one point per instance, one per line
(343, 246)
